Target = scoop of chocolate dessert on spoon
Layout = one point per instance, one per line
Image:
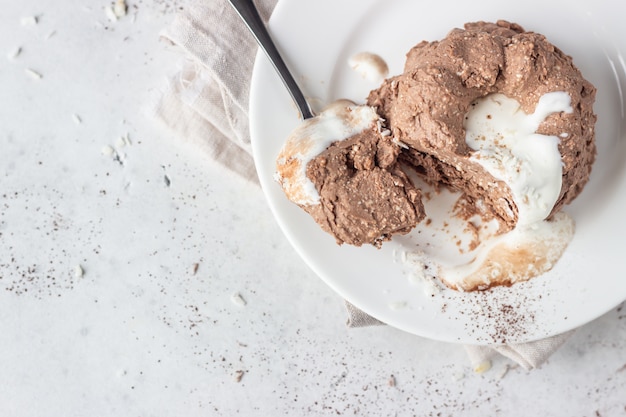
(250, 15)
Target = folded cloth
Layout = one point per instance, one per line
(529, 355)
(206, 103)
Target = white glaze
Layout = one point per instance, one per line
(506, 145)
(370, 66)
(310, 138)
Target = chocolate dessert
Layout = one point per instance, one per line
(491, 111)
(425, 107)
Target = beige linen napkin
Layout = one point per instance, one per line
(206, 103)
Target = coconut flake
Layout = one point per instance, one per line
(110, 13)
(238, 300)
(29, 20)
(33, 74)
(120, 8)
(483, 367)
(14, 53)
(370, 66)
(107, 150)
(78, 271)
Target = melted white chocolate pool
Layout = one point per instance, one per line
(505, 144)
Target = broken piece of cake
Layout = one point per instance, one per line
(342, 168)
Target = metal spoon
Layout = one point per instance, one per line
(250, 15)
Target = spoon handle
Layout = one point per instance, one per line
(249, 14)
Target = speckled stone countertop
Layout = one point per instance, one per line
(139, 279)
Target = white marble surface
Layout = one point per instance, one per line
(142, 332)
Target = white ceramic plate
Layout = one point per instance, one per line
(318, 37)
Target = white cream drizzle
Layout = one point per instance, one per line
(506, 145)
(369, 66)
(312, 137)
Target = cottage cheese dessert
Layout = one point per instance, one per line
(506, 71)
(491, 111)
